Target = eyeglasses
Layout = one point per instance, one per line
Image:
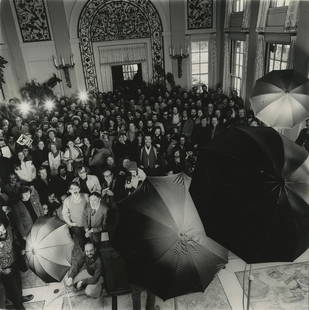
(107, 175)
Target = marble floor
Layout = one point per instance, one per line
(275, 286)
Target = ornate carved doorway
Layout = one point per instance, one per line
(109, 20)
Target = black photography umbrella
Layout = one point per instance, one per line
(161, 237)
(251, 189)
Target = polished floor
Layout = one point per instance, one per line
(275, 286)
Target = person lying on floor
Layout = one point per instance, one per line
(86, 273)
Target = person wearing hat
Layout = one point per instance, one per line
(135, 178)
(27, 209)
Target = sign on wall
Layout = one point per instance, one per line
(200, 14)
(32, 20)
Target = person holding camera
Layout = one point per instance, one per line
(135, 178)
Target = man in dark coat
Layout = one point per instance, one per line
(27, 210)
(303, 137)
(10, 282)
(149, 161)
(61, 182)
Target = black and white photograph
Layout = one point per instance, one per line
(154, 154)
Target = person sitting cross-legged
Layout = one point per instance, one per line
(86, 273)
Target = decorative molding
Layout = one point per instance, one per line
(292, 16)
(227, 65)
(292, 53)
(244, 68)
(212, 77)
(262, 16)
(32, 20)
(246, 16)
(200, 14)
(260, 57)
(227, 16)
(108, 20)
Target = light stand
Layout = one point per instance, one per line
(250, 279)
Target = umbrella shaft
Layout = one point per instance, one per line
(175, 304)
(249, 288)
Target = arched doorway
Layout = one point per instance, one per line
(109, 20)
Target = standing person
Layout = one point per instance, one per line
(52, 138)
(12, 187)
(9, 273)
(42, 184)
(87, 272)
(215, 128)
(27, 210)
(96, 216)
(62, 181)
(149, 157)
(40, 155)
(72, 156)
(135, 178)
(25, 169)
(303, 138)
(6, 166)
(73, 212)
(88, 183)
(55, 157)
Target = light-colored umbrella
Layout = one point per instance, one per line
(281, 98)
(49, 249)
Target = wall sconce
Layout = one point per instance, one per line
(183, 53)
(65, 67)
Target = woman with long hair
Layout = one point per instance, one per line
(24, 169)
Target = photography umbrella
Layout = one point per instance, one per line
(251, 189)
(281, 98)
(49, 249)
(161, 237)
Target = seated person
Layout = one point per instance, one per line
(87, 272)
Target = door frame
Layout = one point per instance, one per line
(120, 43)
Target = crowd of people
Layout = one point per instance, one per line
(76, 159)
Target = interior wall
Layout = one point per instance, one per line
(73, 9)
(61, 38)
(15, 73)
(178, 38)
(31, 60)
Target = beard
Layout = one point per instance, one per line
(3, 237)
